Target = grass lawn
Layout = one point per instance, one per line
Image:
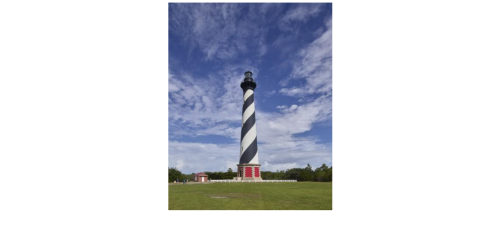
(251, 196)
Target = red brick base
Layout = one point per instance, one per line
(249, 171)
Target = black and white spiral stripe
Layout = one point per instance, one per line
(248, 150)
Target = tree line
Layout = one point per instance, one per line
(321, 174)
(174, 174)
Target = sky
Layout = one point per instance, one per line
(287, 47)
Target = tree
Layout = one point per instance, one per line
(174, 174)
(293, 174)
(230, 174)
(308, 168)
(329, 174)
(303, 176)
(324, 168)
(308, 173)
(320, 176)
(322, 173)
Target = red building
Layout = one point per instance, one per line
(200, 177)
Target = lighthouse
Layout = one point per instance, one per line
(249, 167)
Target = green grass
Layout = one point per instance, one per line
(251, 196)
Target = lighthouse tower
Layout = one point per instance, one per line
(249, 167)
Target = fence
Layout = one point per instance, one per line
(250, 181)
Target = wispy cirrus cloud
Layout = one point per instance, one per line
(221, 31)
(291, 120)
(299, 13)
(207, 106)
(314, 66)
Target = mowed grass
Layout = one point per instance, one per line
(251, 196)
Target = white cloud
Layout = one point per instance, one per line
(318, 32)
(280, 127)
(172, 86)
(218, 30)
(269, 93)
(314, 66)
(294, 91)
(191, 157)
(275, 167)
(300, 13)
(284, 108)
(179, 164)
(199, 157)
(207, 106)
(262, 50)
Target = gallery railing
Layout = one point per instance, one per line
(250, 181)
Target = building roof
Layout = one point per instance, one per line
(200, 174)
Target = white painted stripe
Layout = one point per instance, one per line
(248, 93)
(248, 138)
(248, 113)
(255, 159)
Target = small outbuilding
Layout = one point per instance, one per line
(200, 177)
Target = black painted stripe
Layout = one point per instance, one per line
(247, 103)
(248, 125)
(249, 153)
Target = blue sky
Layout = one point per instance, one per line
(288, 47)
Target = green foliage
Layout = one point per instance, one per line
(329, 174)
(323, 168)
(220, 175)
(322, 174)
(174, 174)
